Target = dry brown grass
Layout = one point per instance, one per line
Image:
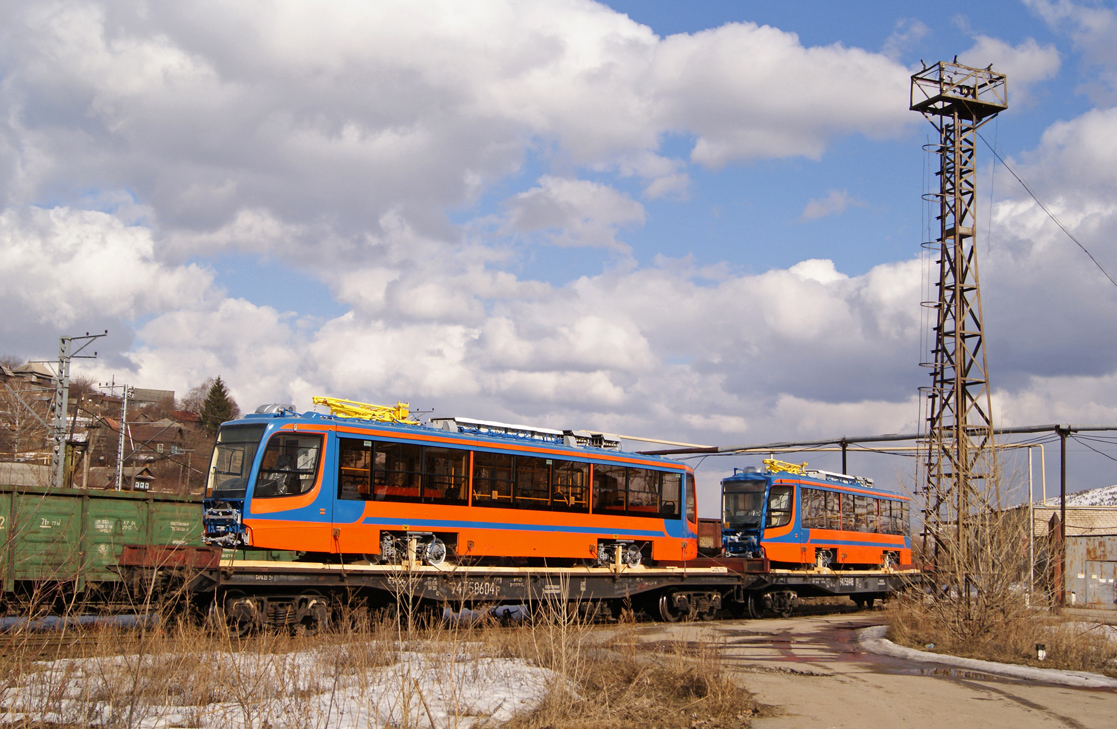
(1009, 636)
(180, 673)
(620, 682)
(980, 607)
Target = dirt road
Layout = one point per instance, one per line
(814, 670)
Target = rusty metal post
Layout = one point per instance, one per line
(1063, 431)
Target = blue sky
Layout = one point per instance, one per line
(699, 222)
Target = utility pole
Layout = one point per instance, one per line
(68, 348)
(1061, 591)
(125, 393)
(961, 467)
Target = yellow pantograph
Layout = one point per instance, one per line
(773, 466)
(400, 413)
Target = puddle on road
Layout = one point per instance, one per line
(839, 644)
(956, 673)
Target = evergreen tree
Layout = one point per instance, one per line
(218, 407)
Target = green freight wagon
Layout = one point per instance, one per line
(72, 538)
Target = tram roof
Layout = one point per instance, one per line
(467, 431)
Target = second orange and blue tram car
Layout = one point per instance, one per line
(456, 489)
(798, 519)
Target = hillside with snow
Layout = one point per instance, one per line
(1104, 496)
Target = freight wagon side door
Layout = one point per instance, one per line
(47, 530)
(176, 523)
(111, 522)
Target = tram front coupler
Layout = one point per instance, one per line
(223, 527)
(742, 544)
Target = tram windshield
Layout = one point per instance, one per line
(232, 460)
(742, 504)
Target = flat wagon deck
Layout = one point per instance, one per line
(258, 592)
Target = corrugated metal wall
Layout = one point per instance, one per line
(1091, 580)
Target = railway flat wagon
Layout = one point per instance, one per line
(70, 540)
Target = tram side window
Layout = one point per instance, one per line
(671, 495)
(289, 465)
(780, 502)
(571, 486)
(533, 482)
(847, 512)
(354, 468)
(643, 492)
(396, 472)
(492, 479)
(445, 475)
(691, 500)
(861, 513)
(814, 508)
(608, 489)
(833, 510)
(894, 517)
(893, 523)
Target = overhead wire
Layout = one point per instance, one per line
(1095, 450)
(1044, 208)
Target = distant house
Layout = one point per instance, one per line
(164, 398)
(36, 373)
(184, 416)
(1082, 521)
(133, 478)
(152, 441)
(1088, 512)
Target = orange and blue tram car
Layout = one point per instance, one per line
(453, 489)
(797, 519)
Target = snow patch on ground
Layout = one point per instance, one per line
(254, 690)
(873, 640)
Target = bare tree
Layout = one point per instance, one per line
(195, 398)
(20, 430)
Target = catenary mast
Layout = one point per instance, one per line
(960, 483)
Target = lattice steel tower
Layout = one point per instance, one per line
(957, 100)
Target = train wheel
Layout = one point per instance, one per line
(863, 602)
(237, 615)
(312, 616)
(434, 553)
(668, 612)
(752, 608)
